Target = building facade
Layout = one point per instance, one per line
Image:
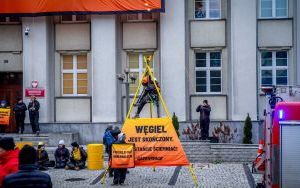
(219, 50)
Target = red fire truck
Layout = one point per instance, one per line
(280, 158)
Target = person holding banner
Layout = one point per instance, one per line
(33, 108)
(4, 115)
(120, 173)
(20, 109)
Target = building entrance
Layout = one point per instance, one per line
(10, 90)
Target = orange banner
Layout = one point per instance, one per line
(27, 7)
(4, 116)
(156, 142)
(122, 156)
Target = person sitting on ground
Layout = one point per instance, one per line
(62, 155)
(9, 162)
(28, 176)
(78, 157)
(120, 173)
(42, 158)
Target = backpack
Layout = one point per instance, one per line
(108, 139)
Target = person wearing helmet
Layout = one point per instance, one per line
(62, 155)
(149, 95)
(42, 157)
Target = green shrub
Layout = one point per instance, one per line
(175, 124)
(247, 131)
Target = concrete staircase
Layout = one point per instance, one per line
(197, 151)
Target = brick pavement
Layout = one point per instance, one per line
(209, 175)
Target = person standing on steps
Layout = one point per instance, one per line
(19, 110)
(204, 110)
(33, 108)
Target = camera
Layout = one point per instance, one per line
(26, 32)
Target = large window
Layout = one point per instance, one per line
(273, 8)
(137, 67)
(74, 75)
(207, 9)
(274, 68)
(208, 72)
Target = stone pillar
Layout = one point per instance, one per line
(104, 82)
(173, 69)
(243, 59)
(36, 62)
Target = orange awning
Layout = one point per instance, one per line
(57, 7)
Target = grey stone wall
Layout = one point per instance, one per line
(191, 131)
(202, 152)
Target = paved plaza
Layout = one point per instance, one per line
(209, 175)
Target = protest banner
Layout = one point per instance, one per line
(156, 142)
(122, 156)
(4, 116)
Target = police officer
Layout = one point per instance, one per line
(33, 108)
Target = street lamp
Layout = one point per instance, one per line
(126, 78)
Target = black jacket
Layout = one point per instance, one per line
(62, 154)
(28, 177)
(34, 106)
(20, 109)
(204, 112)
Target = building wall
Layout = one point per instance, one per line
(174, 37)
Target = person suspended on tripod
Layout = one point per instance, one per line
(149, 95)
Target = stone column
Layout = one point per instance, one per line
(243, 59)
(173, 69)
(36, 61)
(104, 82)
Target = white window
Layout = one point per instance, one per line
(273, 8)
(274, 68)
(208, 72)
(139, 17)
(207, 9)
(73, 18)
(74, 75)
(137, 67)
(11, 19)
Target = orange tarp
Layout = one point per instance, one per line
(156, 142)
(85, 6)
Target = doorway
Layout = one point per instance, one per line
(10, 90)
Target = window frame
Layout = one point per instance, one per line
(274, 11)
(274, 67)
(7, 21)
(207, 69)
(207, 10)
(141, 68)
(73, 71)
(74, 19)
(140, 18)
